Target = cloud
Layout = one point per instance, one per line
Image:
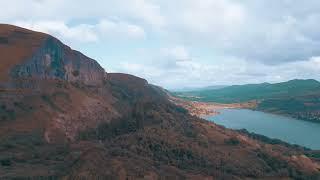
(177, 74)
(147, 10)
(85, 32)
(179, 53)
(286, 39)
(272, 32)
(106, 27)
(138, 10)
(219, 16)
(185, 41)
(82, 32)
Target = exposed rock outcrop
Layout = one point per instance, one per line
(31, 55)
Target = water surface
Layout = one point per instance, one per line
(290, 130)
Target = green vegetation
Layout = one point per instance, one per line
(244, 93)
(22, 141)
(57, 66)
(272, 141)
(232, 141)
(49, 99)
(111, 130)
(30, 149)
(75, 73)
(4, 40)
(6, 114)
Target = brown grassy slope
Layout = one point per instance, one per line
(125, 128)
(152, 138)
(160, 140)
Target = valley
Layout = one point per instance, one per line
(296, 98)
(244, 116)
(64, 117)
(159, 90)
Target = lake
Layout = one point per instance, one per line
(287, 129)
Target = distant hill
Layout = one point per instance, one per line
(244, 93)
(188, 89)
(296, 98)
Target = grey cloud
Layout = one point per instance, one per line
(271, 32)
(252, 74)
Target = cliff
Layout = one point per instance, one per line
(32, 55)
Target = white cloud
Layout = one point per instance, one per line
(106, 27)
(147, 10)
(141, 10)
(85, 32)
(268, 31)
(207, 16)
(82, 32)
(178, 52)
(177, 74)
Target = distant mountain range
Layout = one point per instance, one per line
(296, 98)
(188, 89)
(244, 93)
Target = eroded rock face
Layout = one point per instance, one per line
(54, 60)
(27, 54)
(35, 66)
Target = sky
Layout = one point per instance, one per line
(184, 43)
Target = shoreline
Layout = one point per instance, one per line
(202, 109)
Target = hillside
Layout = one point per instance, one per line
(244, 93)
(63, 117)
(295, 98)
(189, 89)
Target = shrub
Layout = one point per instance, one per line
(181, 110)
(232, 141)
(75, 73)
(112, 129)
(4, 40)
(3, 107)
(5, 162)
(50, 102)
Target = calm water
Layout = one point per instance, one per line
(287, 129)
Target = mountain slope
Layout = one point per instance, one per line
(63, 117)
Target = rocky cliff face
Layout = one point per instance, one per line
(45, 58)
(37, 71)
(79, 124)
